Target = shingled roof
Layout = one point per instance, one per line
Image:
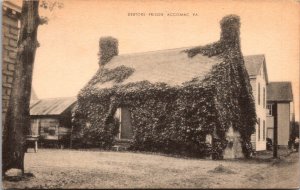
(172, 66)
(253, 64)
(52, 106)
(279, 91)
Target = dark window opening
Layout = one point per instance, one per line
(269, 110)
(258, 93)
(258, 129)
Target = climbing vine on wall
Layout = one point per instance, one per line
(232, 80)
(174, 118)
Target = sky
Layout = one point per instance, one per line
(67, 57)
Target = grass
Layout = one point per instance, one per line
(103, 169)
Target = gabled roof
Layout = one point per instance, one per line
(52, 106)
(253, 65)
(279, 91)
(172, 67)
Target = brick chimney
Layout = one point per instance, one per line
(230, 31)
(108, 48)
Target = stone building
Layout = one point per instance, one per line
(172, 100)
(10, 31)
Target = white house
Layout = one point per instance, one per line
(257, 70)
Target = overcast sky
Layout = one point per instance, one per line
(67, 57)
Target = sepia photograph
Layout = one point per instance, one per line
(153, 94)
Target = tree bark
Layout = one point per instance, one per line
(17, 123)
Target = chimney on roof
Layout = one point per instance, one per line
(108, 48)
(230, 31)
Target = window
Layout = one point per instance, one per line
(46, 130)
(258, 130)
(258, 93)
(264, 97)
(52, 132)
(264, 130)
(269, 110)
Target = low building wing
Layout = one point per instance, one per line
(52, 106)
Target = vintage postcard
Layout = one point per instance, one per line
(106, 94)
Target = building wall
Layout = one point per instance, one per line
(49, 128)
(284, 122)
(10, 32)
(283, 111)
(259, 88)
(253, 85)
(270, 127)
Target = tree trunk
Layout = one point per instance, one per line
(17, 121)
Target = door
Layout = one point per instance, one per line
(125, 128)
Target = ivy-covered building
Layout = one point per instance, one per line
(196, 101)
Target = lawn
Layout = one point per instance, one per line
(102, 169)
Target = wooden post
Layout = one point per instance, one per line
(35, 146)
(71, 135)
(275, 132)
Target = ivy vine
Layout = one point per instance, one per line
(174, 119)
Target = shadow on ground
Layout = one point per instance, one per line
(19, 177)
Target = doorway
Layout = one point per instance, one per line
(123, 115)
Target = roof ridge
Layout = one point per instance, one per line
(254, 55)
(52, 106)
(58, 98)
(173, 49)
(281, 82)
(154, 51)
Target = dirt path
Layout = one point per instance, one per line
(96, 169)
